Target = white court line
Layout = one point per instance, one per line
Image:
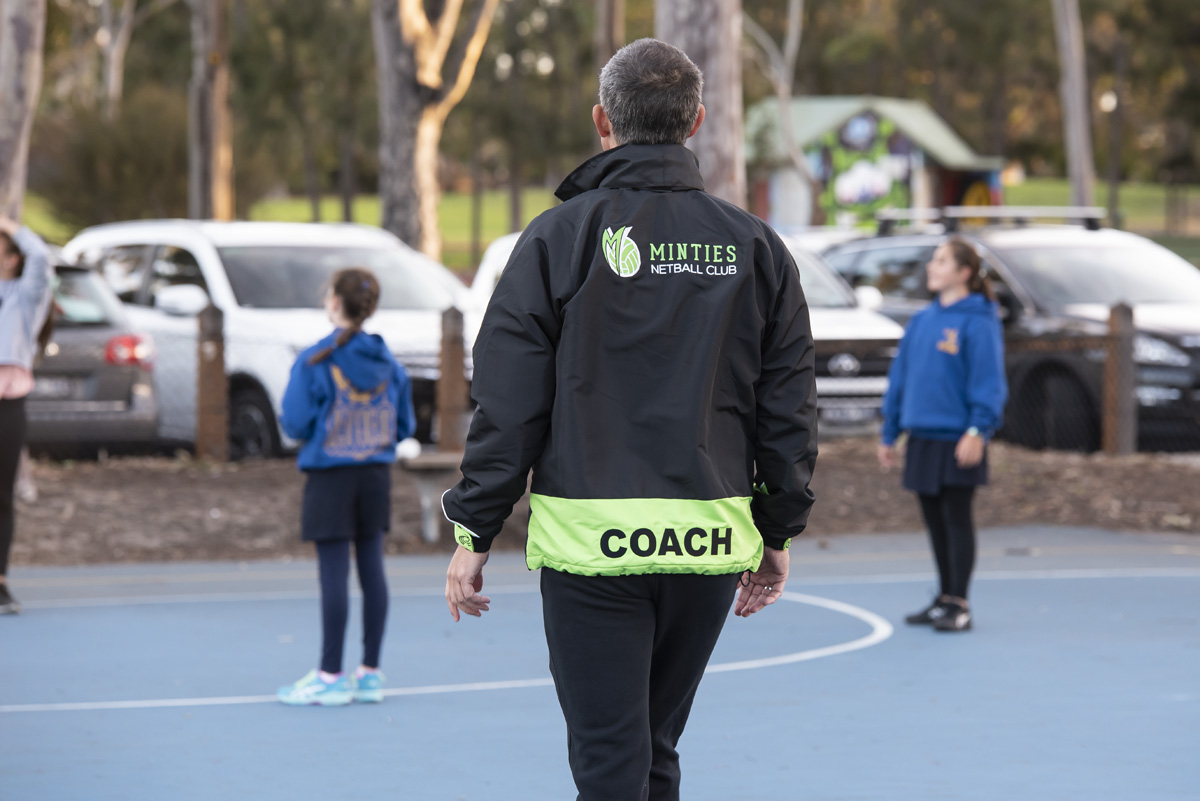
(238, 597)
(880, 631)
(811, 581)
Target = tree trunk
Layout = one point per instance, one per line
(399, 111)
(349, 120)
(711, 35)
(346, 177)
(22, 31)
(476, 204)
(610, 30)
(119, 32)
(1077, 135)
(210, 130)
(411, 51)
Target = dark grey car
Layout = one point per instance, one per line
(92, 383)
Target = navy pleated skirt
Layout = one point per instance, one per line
(929, 465)
(346, 503)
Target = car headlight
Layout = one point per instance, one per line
(1149, 350)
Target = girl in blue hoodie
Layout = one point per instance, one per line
(947, 389)
(350, 403)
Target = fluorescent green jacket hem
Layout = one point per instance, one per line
(632, 536)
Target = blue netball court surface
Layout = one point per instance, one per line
(1080, 681)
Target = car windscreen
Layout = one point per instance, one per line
(82, 298)
(296, 277)
(1060, 276)
(822, 289)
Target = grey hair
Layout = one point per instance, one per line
(650, 91)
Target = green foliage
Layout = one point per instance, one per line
(92, 170)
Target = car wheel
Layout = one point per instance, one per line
(252, 430)
(1071, 424)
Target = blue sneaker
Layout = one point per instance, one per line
(369, 688)
(311, 691)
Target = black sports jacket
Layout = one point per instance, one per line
(647, 352)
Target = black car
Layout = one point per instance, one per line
(1055, 283)
(92, 384)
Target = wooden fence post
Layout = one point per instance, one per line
(452, 384)
(212, 390)
(1120, 377)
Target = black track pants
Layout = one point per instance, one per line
(627, 654)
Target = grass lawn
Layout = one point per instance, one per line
(40, 217)
(454, 217)
(1143, 206)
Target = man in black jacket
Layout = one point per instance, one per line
(648, 349)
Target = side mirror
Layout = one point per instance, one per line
(869, 297)
(1010, 307)
(181, 300)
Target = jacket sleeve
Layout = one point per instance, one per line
(38, 272)
(987, 387)
(786, 414)
(513, 389)
(406, 420)
(299, 417)
(894, 397)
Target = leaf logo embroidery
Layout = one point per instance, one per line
(950, 343)
(621, 252)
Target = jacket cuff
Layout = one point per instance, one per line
(777, 542)
(471, 542)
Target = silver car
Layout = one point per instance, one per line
(92, 384)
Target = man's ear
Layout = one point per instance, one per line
(699, 119)
(604, 126)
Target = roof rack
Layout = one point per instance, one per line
(1088, 216)
(950, 216)
(888, 218)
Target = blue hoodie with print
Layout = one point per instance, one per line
(949, 373)
(350, 409)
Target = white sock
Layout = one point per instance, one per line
(329, 678)
(362, 671)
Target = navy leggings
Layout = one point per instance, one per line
(333, 560)
(12, 437)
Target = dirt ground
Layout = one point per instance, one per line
(162, 509)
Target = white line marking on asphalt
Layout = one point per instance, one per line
(880, 631)
(812, 581)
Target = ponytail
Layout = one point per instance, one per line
(966, 257)
(358, 290)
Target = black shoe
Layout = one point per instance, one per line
(956, 618)
(927, 616)
(8, 604)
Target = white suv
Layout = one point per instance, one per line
(268, 279)
(854, 344)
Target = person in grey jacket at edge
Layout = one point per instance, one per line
(25, 290)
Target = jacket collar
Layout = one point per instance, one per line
(671, 168)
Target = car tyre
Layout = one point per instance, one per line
(252, 429)
(1070, 420)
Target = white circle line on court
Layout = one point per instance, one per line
(813, 581)
(880, 631)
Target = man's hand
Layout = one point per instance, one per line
(762, 587)
(887, 456)
(464, 580)
(969, 450)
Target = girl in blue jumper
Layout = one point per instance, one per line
(947, 389)
(350, 402)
